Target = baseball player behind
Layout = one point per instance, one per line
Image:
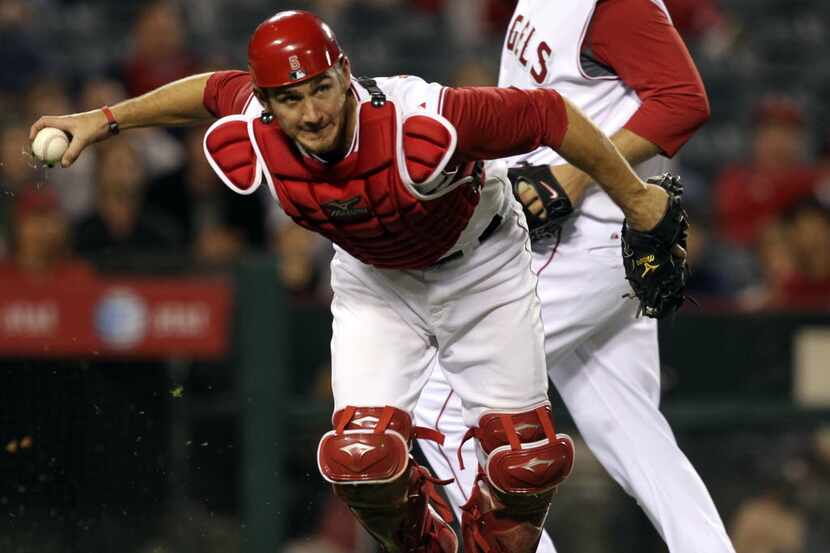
(638, 83)
(432, 261)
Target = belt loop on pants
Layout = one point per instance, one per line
(491, 228)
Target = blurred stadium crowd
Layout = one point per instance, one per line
(757, 174)
(757, 177)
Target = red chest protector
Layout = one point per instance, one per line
(372, 203)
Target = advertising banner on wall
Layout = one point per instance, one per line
(131, 317)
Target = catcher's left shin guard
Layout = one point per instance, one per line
(526, 461)
(366, 458)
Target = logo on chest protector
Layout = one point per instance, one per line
(345, 210)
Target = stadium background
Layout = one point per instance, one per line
(164, 343)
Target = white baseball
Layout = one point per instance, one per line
(49, 145)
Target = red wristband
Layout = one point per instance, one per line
(113, 124)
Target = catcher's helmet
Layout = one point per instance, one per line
(291, 47)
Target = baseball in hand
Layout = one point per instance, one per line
(49, 145)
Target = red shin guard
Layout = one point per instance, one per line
(526, 461)
(367, 459)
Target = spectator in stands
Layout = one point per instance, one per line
(694, 18)
(794, 257)
(778, 175)
(120, 226)
(474, 25)
(708, 261)
(702, 23)
(776, 265)
(808, 286)
(218, 224)
(22, 56)
(161, 152)
(15, 165)
(47, 94)
(40, 248)
(159, 53)
(790, 512)
(303, 259)
(15, 175)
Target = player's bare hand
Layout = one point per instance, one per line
(648, 209)
(83, 129)
(530, 200)
(572, 181)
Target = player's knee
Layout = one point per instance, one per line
(525, 455)
(369, 445)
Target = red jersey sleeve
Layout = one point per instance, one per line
(227, 92)
(650, 57)
(500, 122)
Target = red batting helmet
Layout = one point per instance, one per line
(291, 47)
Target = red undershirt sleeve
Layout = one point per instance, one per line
(227, 92)
(650, 57)
(500, 122)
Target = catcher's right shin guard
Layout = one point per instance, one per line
(367, 460)
(526, 461)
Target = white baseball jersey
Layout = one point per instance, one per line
(543, 49)
(603, 361)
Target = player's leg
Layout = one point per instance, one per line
(379, 364)
(604, 362)
(491, 348)
(611, 387)
(440, 408)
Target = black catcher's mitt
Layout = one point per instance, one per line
(657, 277)
(557, 205)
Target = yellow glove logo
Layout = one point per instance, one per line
(647, 263)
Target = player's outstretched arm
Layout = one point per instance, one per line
(174, 104)
(502, 122)
(634, 148)
(588, 149)
(573, 182)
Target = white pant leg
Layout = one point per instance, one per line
(491, 351)
(440, 408)
(379, 356)
(479, 313)
(605, 365)
(486, 318)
